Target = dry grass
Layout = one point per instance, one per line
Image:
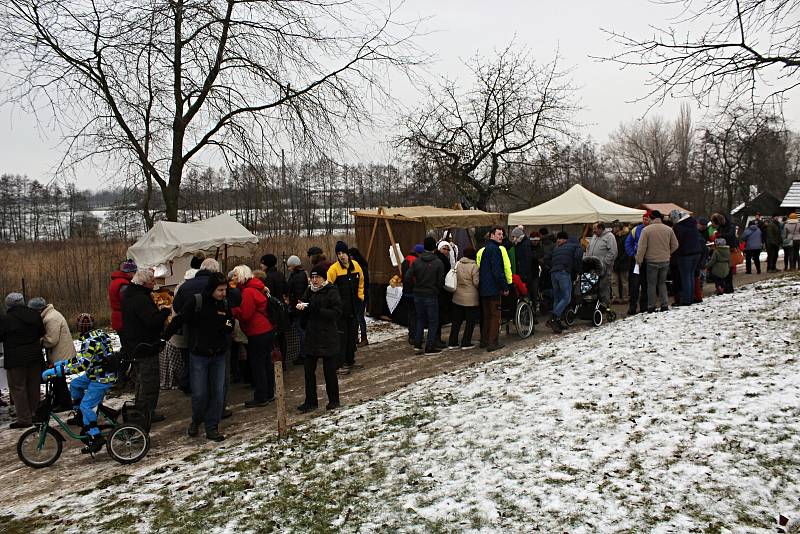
(73, 275)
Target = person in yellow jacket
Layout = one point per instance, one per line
(347, 276)
(506, 262)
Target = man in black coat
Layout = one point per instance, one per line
(21, 331)
(296, 286)
(426, 274)
(320, 308)
(143, 322)
(275, 279)
(208, 328)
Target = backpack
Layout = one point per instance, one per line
(276, 313)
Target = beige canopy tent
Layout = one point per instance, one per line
(664, 207)
(171, 242)
(577, 206)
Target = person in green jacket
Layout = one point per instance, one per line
(719, 265)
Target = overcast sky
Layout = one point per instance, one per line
(458, 29)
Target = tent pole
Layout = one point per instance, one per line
(371, 240)
(396, 248)
(225, 261)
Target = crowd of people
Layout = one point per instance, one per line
(212, 326)
(219, 328)
(665, 256)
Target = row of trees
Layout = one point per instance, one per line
(706, 168)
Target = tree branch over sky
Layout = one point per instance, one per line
(159, 83)
(720, 52)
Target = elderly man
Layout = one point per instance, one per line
(603, 245)
(143, 322)
(656, 246)
(493, 285)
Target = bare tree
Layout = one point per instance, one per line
(514, 108)
(744, 49)
(163, 83)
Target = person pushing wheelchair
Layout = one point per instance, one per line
(94, 360)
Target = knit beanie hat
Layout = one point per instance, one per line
(319, 270)
(37, 303)
(293, 261)
(270, 260)
(429, 244)
(314, 250)
(84, 323)
(341, 246)
(419, 248)
(517, 232)
(14, 299)
(129, 266)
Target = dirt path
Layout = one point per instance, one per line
(388, 366)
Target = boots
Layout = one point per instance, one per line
(94, 444)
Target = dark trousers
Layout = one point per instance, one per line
(61, 392)
(772, 257)
(362, 319)
(147, 384)
(637, 287)
(412, 318)
(787, 256)
(490, 327)
(427, 315)
(687, 266)
(331, 380)
(259, 354)
(794, 260)
(23, 386)
(348, 335)
(460, 315)
(208, 386)
(184, 380)
(753, 255)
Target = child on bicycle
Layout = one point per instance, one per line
(94, 360)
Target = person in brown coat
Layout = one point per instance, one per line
(21, 331)
(466, 301)
(656, 245)
(58, 345)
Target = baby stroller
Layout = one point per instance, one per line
(586, 303)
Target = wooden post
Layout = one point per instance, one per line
(396, 247)
(280, 396)
(372, 239)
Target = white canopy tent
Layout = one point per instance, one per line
(576, 206)
(168, 242)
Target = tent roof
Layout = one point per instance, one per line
(432, 217)
(792, 198)
(664, 207)
(577, 206)
(166, 241)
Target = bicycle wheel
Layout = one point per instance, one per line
(37, 452)
(128, 443)
(523, 319)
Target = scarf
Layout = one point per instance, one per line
(315, 289)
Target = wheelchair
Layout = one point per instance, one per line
(519, 312)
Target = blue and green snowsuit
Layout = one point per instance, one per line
(87, 390)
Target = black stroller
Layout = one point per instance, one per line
(586, 303)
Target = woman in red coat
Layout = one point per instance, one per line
(252, 316)
(119, 280)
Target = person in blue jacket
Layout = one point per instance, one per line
(753, 242)
(94, 361)
(492, 287)
(688, 254)
(637, 282)
(565, 264)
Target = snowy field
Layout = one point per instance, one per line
(687, 421)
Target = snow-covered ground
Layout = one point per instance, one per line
(686, 421)
(379, 331)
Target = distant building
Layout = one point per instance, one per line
(792, 198)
